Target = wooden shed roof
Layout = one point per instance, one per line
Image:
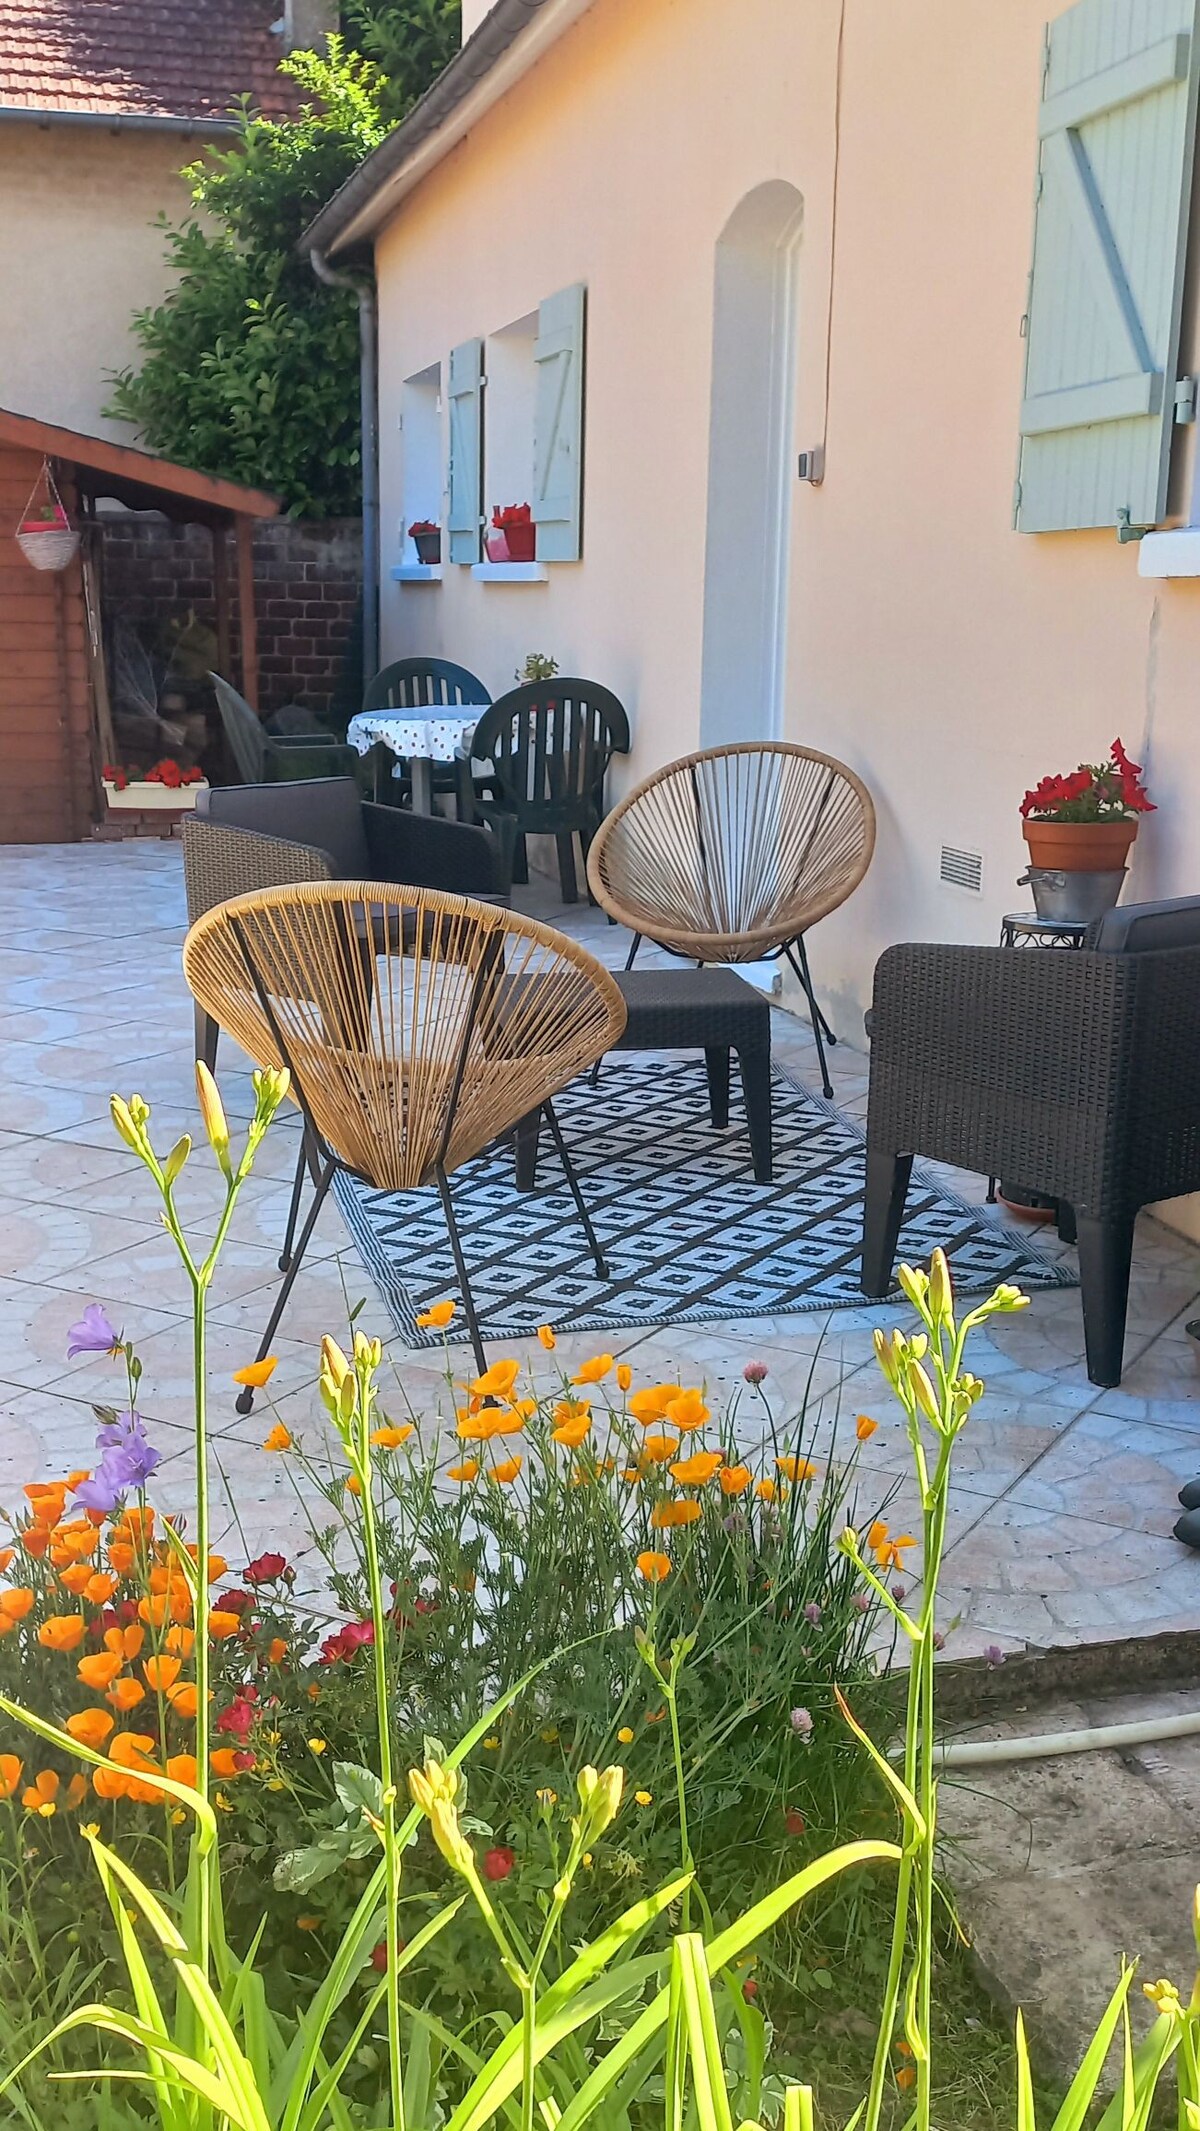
(138, 478)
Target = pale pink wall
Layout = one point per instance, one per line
(951, 660)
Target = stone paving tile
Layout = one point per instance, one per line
(1063, 1495)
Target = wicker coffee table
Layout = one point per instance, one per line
(710, 1010)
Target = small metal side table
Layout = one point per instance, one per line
(1024, 928)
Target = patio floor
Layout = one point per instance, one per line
(1064, 1497)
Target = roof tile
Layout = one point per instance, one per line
(189, 59)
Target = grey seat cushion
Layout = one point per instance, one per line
(1138, 928)
(325, 811)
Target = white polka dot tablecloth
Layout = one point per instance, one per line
(416, 738)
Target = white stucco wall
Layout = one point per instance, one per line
(78, 255)
(949, 659)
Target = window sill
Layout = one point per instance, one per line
(417, 573)
(1173, 554)
(509, 573)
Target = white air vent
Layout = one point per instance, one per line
(962, 869)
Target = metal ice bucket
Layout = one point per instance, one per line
(1073, 898)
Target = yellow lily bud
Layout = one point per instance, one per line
(600, 1800)
(453, 1844)
(333, 1362)
(368, 1350)
(886, 1354)
(177, 1157)
(923, 1390)
(915, 1285)
(212, 1111)
(347, 1401)
(941, 1292)
(122, 1118)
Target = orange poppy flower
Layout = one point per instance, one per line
(666, 1515)
(100, 1671)
(121, 1557)
(735, 1479)
(466, 1472)
(497, 1381)
(8, 1555)
(505, 1474)
(478, 1424)
(47, 1499)
(278, 1438)
(180, 1640)
(10, 1774)
(766, 1490)
(651, 1404)
(624, 1376)
(75, 1579)
(797, 1469)
(864, 1427)
(15, 1604)
(546, 1335)
(593, 1371)
(132, 1749)
(353, 1484)
(184, 1700)
(391, 1438)
(257, 1373)
(126, 1694)
(62, 1631)
(687, 1412)
(76, 1793)
(222, 1625)
(125, 1643)
(42, 1794)
(437, 1316)
(699, 1469)
(91, 1727)
(277, 1650)
(35, 1542)
(574, 1424)
(99, 1588)
(107, 1784)
(660, 1449)
(224, 1762)
(161, 1673)
(154, 1611)
(182, 1769)
(654, 1568)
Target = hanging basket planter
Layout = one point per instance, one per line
(45, 535)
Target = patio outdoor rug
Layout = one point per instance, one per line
(687, 1232)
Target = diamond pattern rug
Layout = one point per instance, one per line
(687, 1232)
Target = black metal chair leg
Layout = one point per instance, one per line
(1105, 1256)
(460, 1267)
(567, 879)
(1066, 1222)
(289, 1233)
(802, 951)
(245, 1398)
(525, 1143)
(576, 1193)
(799, 963)
(887, 1188)
(207, 1032)
(634, 944)
(716, 1065)
(756, 1093)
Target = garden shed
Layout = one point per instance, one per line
(55, 724)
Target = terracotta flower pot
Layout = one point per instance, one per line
(1079, 846)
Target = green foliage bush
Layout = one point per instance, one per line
(249, 366)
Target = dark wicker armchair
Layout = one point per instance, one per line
(1078, 1073)
(246, 837)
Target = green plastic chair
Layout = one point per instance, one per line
(268, 758)
(550, 744)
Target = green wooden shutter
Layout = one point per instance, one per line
(466, 450)
(558, 426)
(1117, 130)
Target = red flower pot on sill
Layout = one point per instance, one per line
(522, 542)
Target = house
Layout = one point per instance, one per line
(636, 257)
(56, 731)
(102, 103)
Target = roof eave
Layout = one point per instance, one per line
(508, 43)
(116, 121)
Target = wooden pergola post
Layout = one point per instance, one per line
(220, 556)
(244, 532)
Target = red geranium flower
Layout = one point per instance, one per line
(498, 1863)
(268, 1569)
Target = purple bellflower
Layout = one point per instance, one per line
(93, 1334)
(127, 1461)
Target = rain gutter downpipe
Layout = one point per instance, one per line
(368, 384)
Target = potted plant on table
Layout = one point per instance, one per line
(1079, 829)
(514, 523)
(427, 539)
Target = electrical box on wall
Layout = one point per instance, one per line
(811, 464)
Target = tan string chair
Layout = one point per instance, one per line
(418, 1027)
(733, 854)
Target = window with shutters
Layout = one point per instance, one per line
(516, 420)
(421, 456)
(1116, 128)
(510, 392)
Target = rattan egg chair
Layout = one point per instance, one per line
(733, 854)
(417, 1028)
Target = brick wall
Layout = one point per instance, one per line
(308, 581)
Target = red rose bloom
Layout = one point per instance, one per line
(498, 1863)
(793, 1821)
(267, 1569)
